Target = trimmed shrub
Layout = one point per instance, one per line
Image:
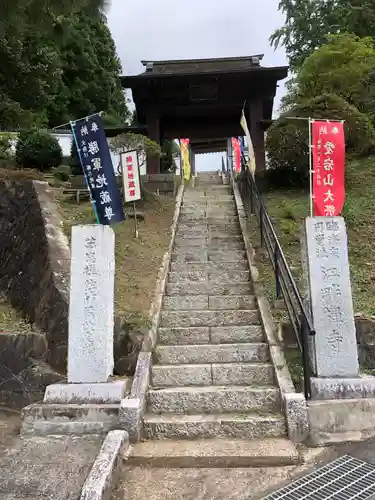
(39, 150)
(62, 173)
(287, 141)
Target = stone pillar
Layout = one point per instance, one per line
(91, 321)
(335, 352)
(90, 347)
(153, 127)
(192, 161)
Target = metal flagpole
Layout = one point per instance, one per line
(311, 170)
(135, 220)
(72, 124)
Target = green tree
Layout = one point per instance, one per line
(309, 22)
(136, 142)
(344, 66)
(58, 63)
(287, 139)
(91, 72)
(38, 150)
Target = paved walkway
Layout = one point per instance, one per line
(212, 375)
(53, 468)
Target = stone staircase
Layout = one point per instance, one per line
(212, 375)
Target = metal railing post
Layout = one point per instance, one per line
(306, 360)
(286, 286)
(276, 258)
(251, 198)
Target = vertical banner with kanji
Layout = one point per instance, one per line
(130, 176)
(236, 155)
(93, 150)
(328, 154)
(184, 146)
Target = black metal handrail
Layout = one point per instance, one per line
(285, 283)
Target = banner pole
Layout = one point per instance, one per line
(311, 170)
(135, 220)
(84, 174)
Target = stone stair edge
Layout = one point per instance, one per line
(223, 453)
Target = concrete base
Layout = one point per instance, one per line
(338, 421)
(341, 388)
(49, 419)
(108, 393)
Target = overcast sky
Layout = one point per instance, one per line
(193, 29)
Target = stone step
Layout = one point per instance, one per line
(182, 234)
(203, 255)
(210, 335)
(191, 220)
(214, 453)
(212, 302)
(213, 399)
(209, 288)
(209, 318)
(203, 226)
(212, 374)
(209, 353)
(198, 202)
(222, 238)
(241, 265)
(208, 212)
(226, 238)
(210, 245)
(252, 426)
(63, 419)
(223, 276)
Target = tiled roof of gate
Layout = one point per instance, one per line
(175, 67)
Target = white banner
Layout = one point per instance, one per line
(130, 176)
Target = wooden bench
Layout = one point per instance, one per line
(78, 188)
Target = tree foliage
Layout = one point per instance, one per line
(136, 142)
(170, 152)
(288, 142)
(309, 22)
(344, 66)
(38, 150)
(58, 63)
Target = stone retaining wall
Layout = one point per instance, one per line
(159, 183)
(35, 262)
(365, 332)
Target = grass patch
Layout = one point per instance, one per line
(137, 260)
(288, 209)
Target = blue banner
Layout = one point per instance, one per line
(97, 166)
(242, 144)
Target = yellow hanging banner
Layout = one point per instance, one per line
(185, 160)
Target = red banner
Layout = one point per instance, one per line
(237, 154)
(328, 153)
